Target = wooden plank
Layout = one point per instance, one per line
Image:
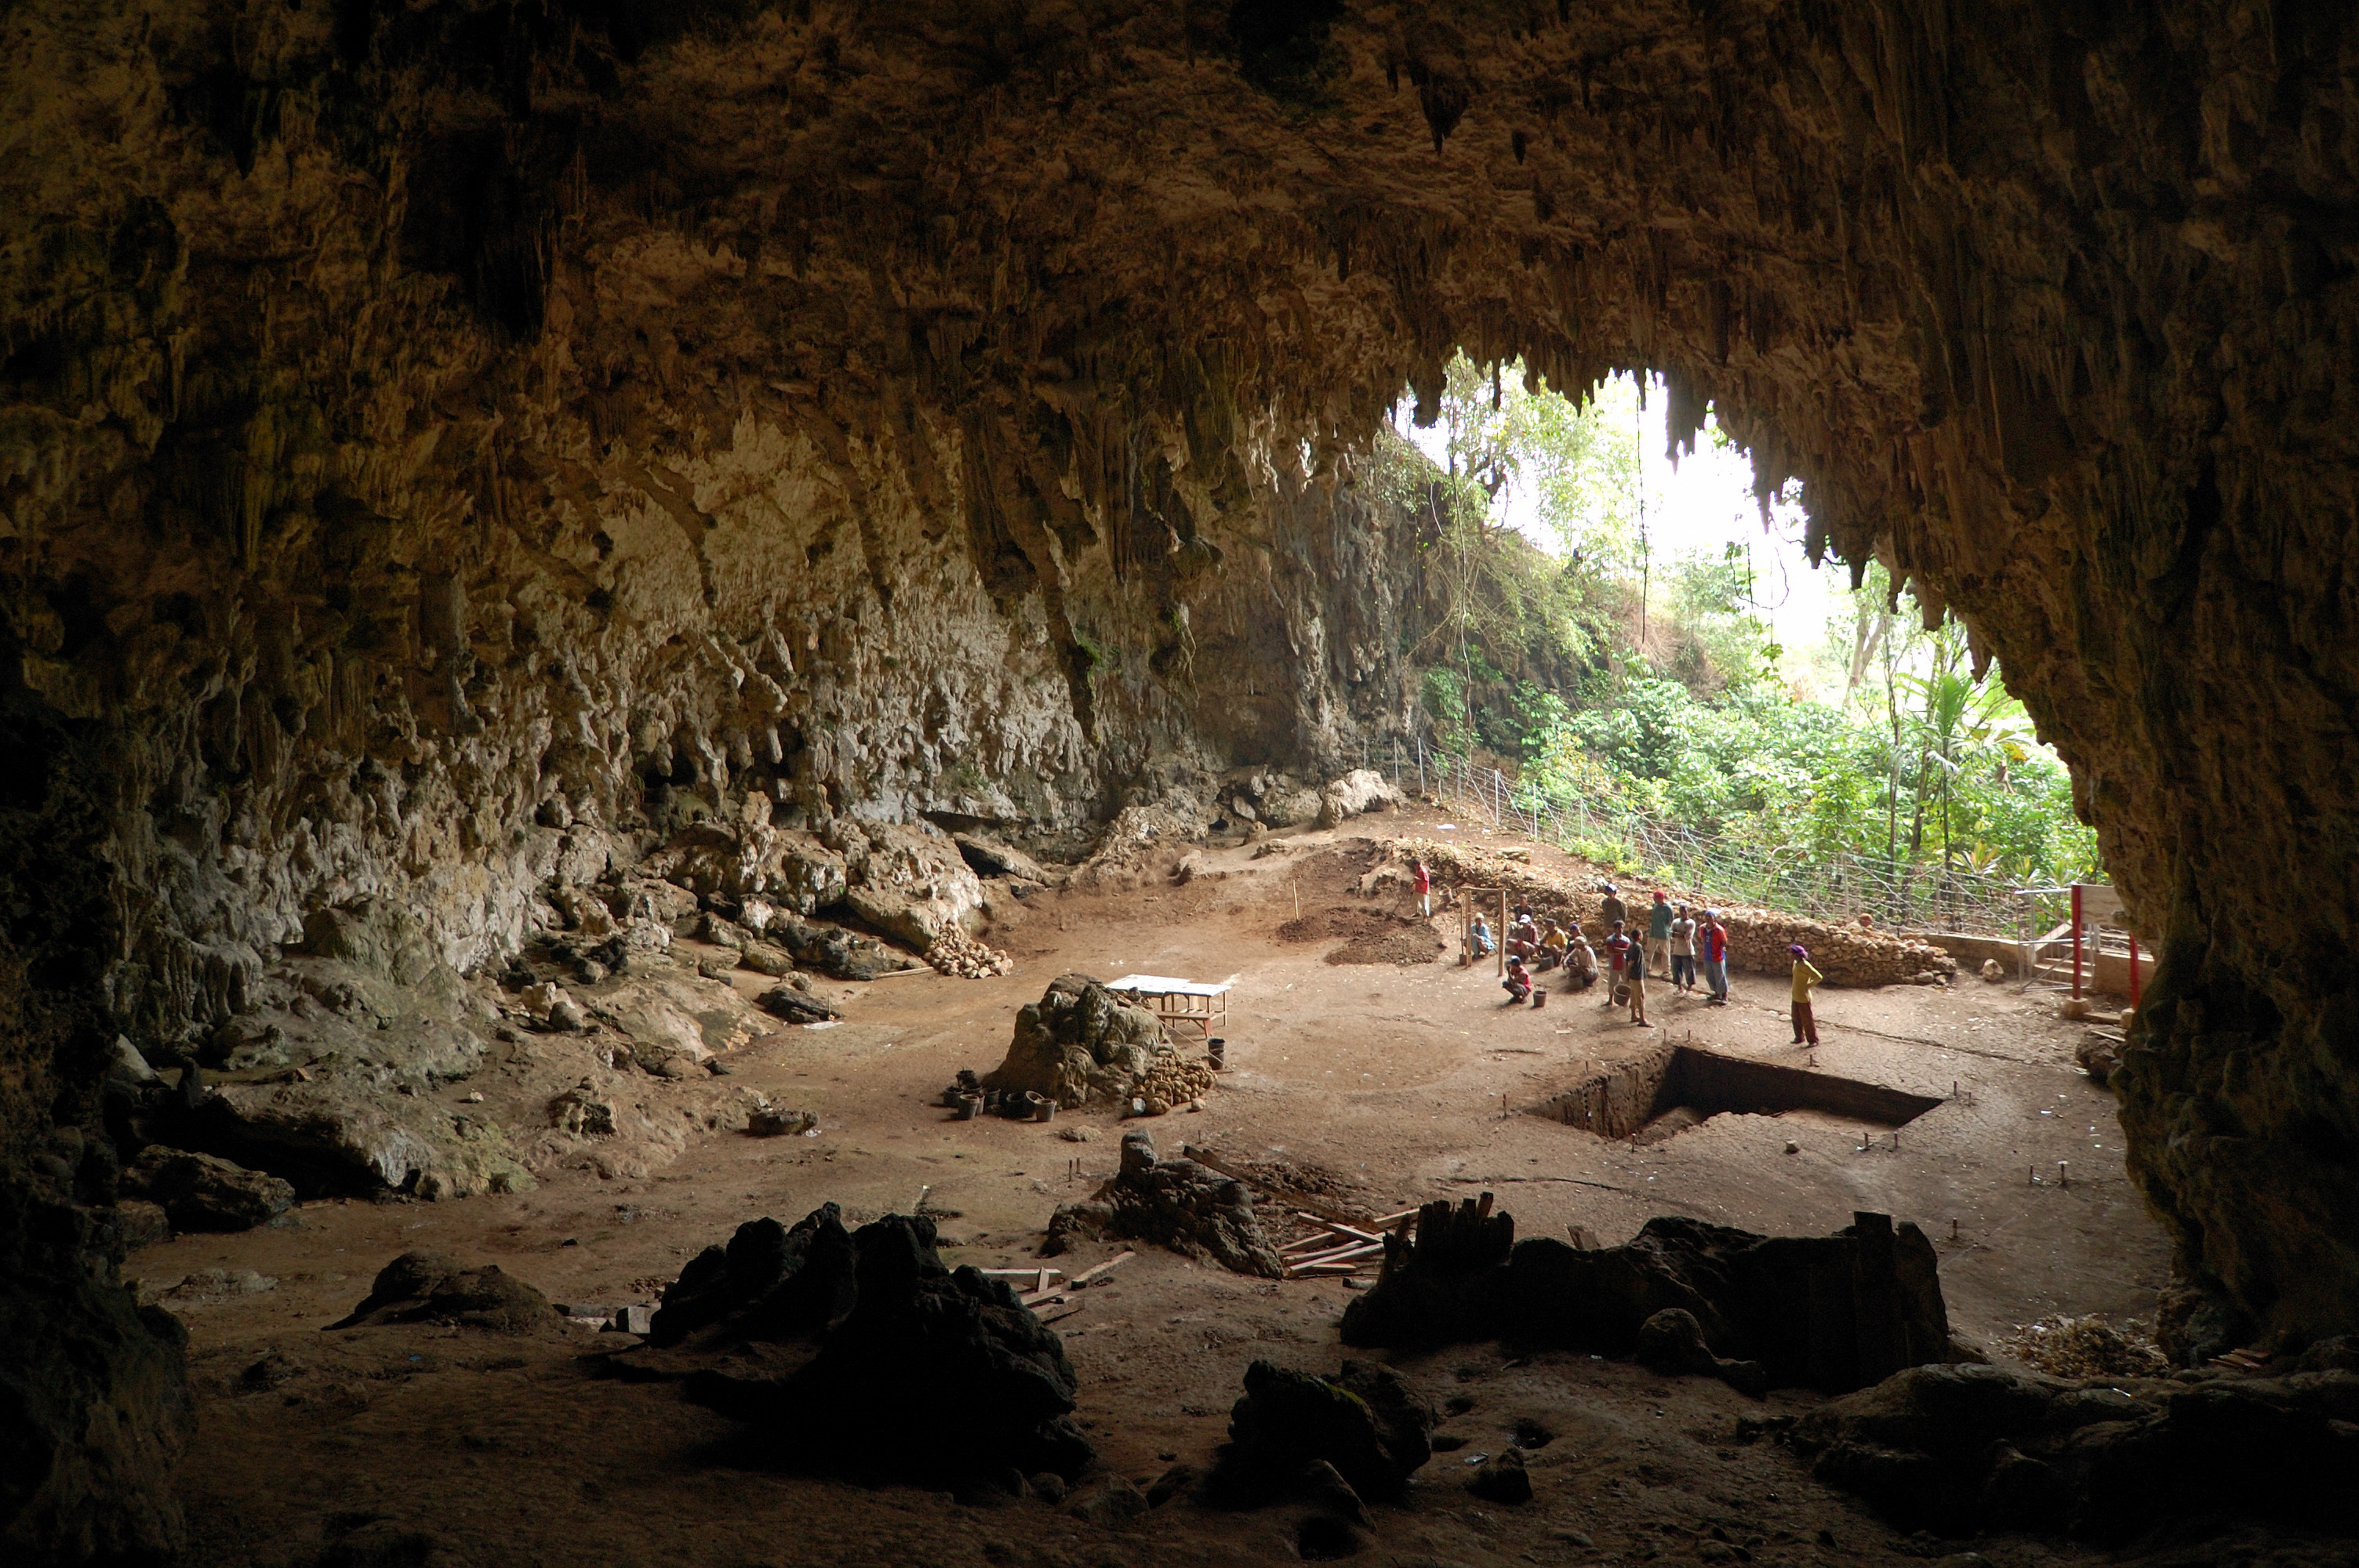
(1042, 1275)
(1086, 1275)
(1340, 1229)
(1354, 1253)
(1035, 1298)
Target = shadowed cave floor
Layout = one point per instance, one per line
(1402, 1082)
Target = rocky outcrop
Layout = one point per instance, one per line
(1079, 1044)
(1833, 1312)
(99, 1409)
(1970, 1450)
(198, 1191)
(895, 1367)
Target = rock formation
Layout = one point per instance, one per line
(1967, 1450)
(447, 449)
(860, 1353)
(1834, 1312)
(1079, 1042)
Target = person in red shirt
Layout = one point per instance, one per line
(1618, 949)
(1711, 948)
(1519, 983)
(1424, 880)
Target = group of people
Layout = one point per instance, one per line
(1533, 950)
(1677, 943)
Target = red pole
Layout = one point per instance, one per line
(2133, 975)
(2076, 940)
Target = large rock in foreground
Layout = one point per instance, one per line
(94, 1408)
(1079, 1042)
(1834, 1312)
(1364, 1420)
(870, 1358)
(1967, 1450)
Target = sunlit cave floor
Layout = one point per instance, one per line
(1402, 1083)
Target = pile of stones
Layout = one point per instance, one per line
(956, 953)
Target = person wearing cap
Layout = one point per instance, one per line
(1806, 1027)
(1422, 876)
(1611, 911)
(1711, 948)
(1659, 935)
(1519, 983)
(1581, 960)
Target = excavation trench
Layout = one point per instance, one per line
(1674, 1088)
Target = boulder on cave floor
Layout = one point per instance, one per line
(1834, 1312)
(426, 1286)
(861, 1353)
(1190, 1208)
(1079, 1044)
(203, 1192)
(1965, 1450)
(1365, 1422)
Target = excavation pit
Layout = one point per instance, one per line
(1674, 1088)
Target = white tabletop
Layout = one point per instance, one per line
(1164, 985)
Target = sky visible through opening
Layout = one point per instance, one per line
(1697, 507)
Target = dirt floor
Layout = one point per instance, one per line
(1396, 1082)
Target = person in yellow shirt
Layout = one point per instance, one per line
(1806, 1027)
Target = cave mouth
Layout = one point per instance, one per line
(1673, 1088)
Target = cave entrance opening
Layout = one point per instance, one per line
(1673, 1088)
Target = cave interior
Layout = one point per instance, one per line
(456, 451)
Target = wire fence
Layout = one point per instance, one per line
(1800, 880)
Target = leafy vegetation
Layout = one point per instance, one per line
(1593, 670)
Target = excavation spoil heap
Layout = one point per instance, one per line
(1834, 1313)
(1848, 954)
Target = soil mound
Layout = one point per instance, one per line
(1411, 944)
(1370, 935)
